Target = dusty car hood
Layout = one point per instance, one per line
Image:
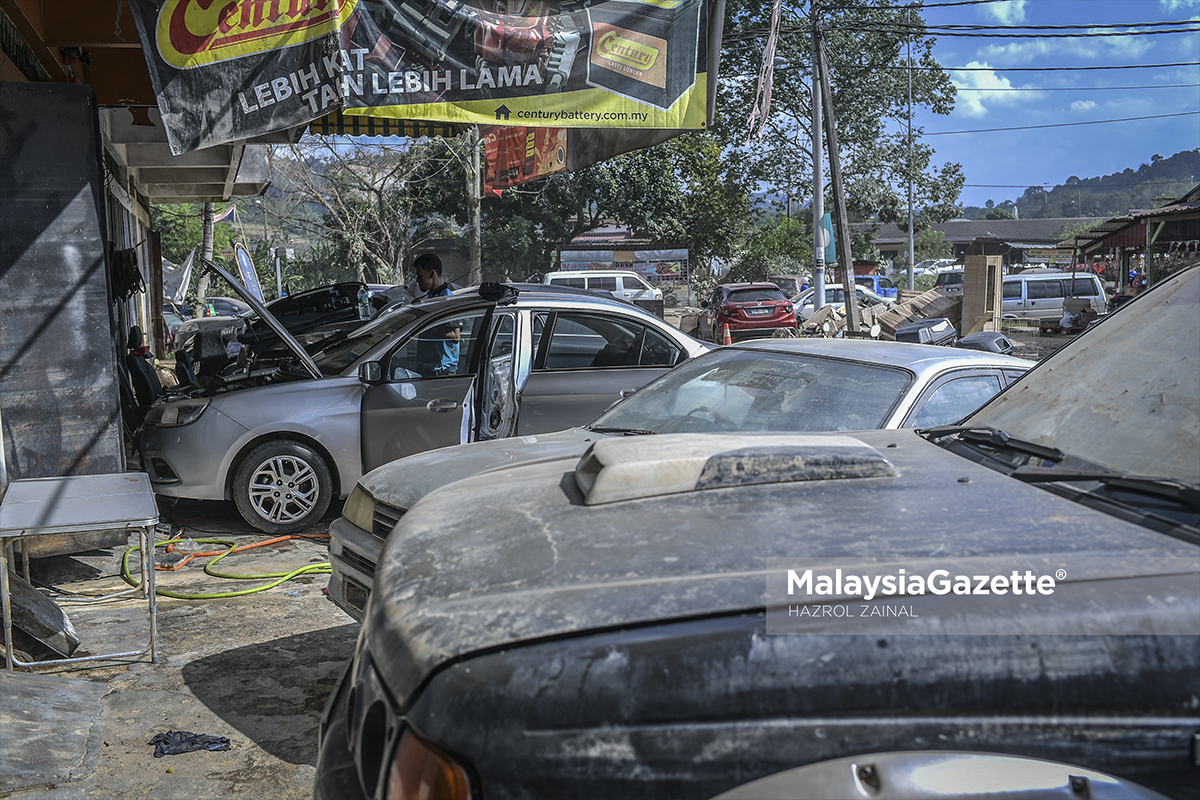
(514, 554)
(402, 483)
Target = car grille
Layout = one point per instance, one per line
(385, 519)
(363, 565)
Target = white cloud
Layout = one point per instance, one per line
(1018, 53)
(986, 89)
(1176, 5)
(1010, 12)
(1083, 105)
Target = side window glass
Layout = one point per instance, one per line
(1036, 290)
(438, 349)
(539, 325)
(1054, 288)
(1083, 288)
(1012, 290)
(506, 336)
(658, 350)
(580, 341)
(954, 399)
(603, 284)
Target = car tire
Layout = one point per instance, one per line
(282, 487)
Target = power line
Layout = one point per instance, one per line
(1045, 187)
(1064, 124)
(958, 35)
(1074, 88)
(1018, 69)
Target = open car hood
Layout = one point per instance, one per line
(274, 324)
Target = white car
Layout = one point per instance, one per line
(834, 296)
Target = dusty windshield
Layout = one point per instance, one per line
(1125, 396)
(341, 353)
(738, 390)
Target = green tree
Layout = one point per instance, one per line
(863, 39)
(931, 243)
(997, 213)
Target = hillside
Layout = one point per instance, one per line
(1113, 195)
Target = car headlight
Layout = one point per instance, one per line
(176, 413)
(420, 770)
(360, 509)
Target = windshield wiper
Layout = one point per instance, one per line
(1168, 488)
(623, 431)
(994, 438)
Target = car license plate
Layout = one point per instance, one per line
(758, 312)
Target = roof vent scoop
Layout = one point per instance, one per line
(613, 470)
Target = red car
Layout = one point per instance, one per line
(749, 309)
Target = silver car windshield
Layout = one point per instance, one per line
(1126, 396)
(738, 390)
(341, 353)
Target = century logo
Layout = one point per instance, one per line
(191, 33)
(626, 51)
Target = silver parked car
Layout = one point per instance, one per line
(767, 385)
(283, 443)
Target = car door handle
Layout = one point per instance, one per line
(626, 392)
(442, 404)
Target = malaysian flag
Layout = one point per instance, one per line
(224, 215)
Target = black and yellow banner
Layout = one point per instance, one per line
(226, 70)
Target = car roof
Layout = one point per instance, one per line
(750, 285)
(919, 358)
(539, 294)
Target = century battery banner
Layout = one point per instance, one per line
(225, 70)
(546, 63)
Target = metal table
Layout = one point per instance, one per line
(80, 504)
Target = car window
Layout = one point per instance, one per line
(1082, 287)
(1039, 290)
(955, 399)
(506, 336)
(574, 283)
(1012, 290)
(603, 283)
(335, 354)
(738, 390)
(755, 295)
(440, 348)
(580, 341)
(884, 283)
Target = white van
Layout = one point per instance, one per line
(622, 284)
(1040, 295)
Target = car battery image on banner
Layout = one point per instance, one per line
(645, 51)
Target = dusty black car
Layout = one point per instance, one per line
(651, 621)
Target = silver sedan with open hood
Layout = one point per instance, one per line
(283, 442)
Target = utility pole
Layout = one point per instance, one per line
(818, 203)
(474, 213)
(841, 233)
(911, 253)
(206, 253)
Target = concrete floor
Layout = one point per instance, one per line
(256, 669)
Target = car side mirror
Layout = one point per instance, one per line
(704, 304)
(371, 372)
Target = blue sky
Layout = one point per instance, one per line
(1051, 155)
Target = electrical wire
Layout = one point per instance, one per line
(1072, 88)
(1064, 124)
(231, 547)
